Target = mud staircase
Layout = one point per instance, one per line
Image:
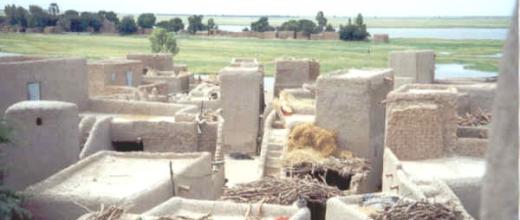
(85, 126)
(275, 144)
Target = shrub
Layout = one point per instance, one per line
(162, 41)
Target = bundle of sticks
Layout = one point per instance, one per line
(282, 191)
(116, 213)
(474, 119)
(406, 209)
(109, 213)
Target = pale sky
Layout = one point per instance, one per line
(393, 8)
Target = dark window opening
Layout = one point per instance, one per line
(331, 178)
(145, 70)
(128, 146)
(39, 121)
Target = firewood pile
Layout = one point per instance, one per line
(420, 210)
(117, 213)
(282, 191)
(478, 118)
(303, 162)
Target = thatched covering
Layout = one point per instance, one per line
(306, 161)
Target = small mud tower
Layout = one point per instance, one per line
(417, 66)
(351, 104)
(421, 121)
(293, 73)
(241, 103)
(45, 140)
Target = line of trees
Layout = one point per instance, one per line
(350, 31)
(72, 20)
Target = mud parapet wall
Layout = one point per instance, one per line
(60, 79)
(135, 181)
(156, 61)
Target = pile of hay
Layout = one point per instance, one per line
(311, 148)
(308, 135)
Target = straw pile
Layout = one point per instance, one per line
(308, 135)
(282, 191)
(313, 149)
(420, 210)
(478, 118)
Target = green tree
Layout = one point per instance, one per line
(322, 21)
(329, 28)
(146, 20)
(38, 17)
(162, 41)
(359, 20)
(10, 14)
(54, 9)
(70, 21)
(172, 25)
(91, 20)
(195, 24)
(127, 25)
(356, 31)
(110, 16)
(290, 25)
(261, 25)
(211, 24)
(22, 16)
(307, 27)
(10, 202)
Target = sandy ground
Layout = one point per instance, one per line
(241, 171)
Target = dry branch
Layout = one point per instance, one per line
(282, 191)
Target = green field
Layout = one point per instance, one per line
(372, 22)
(208, 55)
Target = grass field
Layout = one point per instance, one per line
(372, 22)
(208, 55)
